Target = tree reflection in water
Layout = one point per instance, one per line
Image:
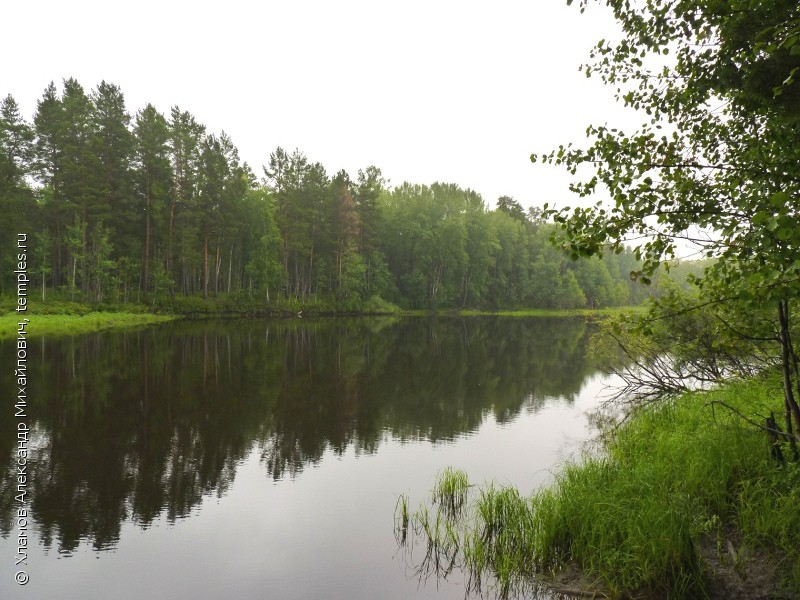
(135, 425)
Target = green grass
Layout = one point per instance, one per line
(450, 491)
(74, 324)
(635, 517)
(401, 519)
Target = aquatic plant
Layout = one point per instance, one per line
(450, 491)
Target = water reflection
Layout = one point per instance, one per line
(138, 425)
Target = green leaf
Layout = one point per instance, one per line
(780, 199)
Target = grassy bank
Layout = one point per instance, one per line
(684, 501)
(74, 324)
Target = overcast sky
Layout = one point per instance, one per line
(434, 90)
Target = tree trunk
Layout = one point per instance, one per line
(217, 265)
(74, 271)
(230, 268)
(773, 439)
(147, 237)
(57, 267)
(169, 238)
(205, 268)
(792, 409)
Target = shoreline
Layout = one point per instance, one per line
(683, 501)
(76, 319)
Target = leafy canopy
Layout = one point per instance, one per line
(716, 161)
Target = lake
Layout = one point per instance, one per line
(254, 459)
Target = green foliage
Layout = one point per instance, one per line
(708, 157)
(152, 179)
(715, 162)
(16, 199)
(152, 207)
(161, 280)
(377, 306)
(680, 342)
(40, 258)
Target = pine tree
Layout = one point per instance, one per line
(16, 198)
(152, 182)
(113, 145)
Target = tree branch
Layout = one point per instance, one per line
(777, 432)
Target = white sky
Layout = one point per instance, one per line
(436, 90)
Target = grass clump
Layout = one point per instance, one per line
(450, 491)
(401, 519)
(623, 529)
(501, 546)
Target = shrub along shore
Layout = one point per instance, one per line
(685, 500)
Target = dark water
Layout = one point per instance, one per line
(247, 459)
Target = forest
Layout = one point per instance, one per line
(154, 208)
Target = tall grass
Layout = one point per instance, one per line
(450, 491)
(401, 519)
(74, 324)
(635, 517)
(769, 516)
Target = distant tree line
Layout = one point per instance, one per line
(123, 208)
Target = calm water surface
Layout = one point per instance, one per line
(246, 459)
